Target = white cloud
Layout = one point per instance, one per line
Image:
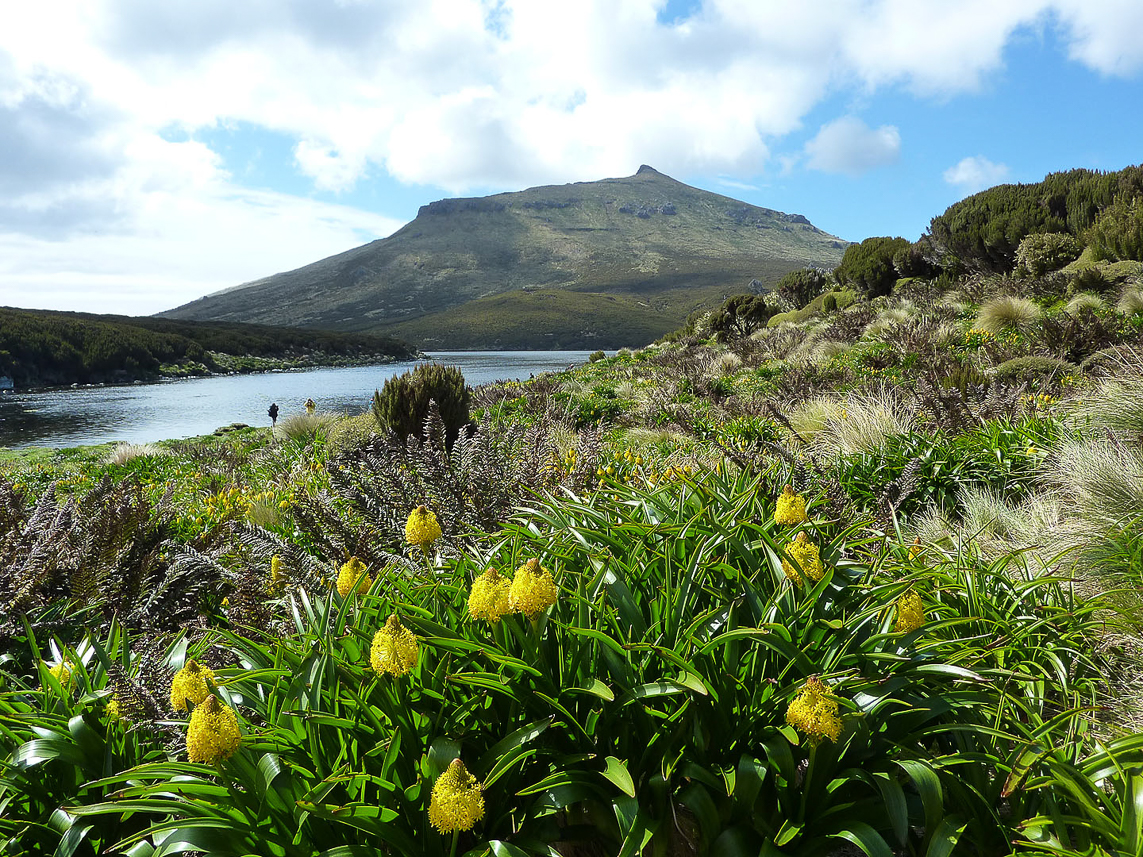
(465, 94)
(849, 146)
(975, 173)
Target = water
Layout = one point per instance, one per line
(143, 413)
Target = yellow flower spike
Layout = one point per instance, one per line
(532, 589)
(814, 711)
(353, 577)
(457, 802)
(62, 673)
(213, 732)
(489, 596)
(395, 649)
(790, 509)
(805, 553)
(910, 613)
(276, 578)
(112, 710)
(916, 548)
(193, 682)
(422, 528)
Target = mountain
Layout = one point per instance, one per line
(586, 265)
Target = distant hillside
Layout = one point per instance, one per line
(592, 264)
(42, 348)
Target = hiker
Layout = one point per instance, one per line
(273, 412)
(310, 406)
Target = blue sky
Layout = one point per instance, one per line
(152, 153)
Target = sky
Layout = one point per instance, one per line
(154, 152)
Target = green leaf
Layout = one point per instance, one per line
(929, 787)
(503, 849)
(510, 742)
(893, 796)
(866, 838)
(945, 837)
(617, 773)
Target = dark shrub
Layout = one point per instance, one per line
(798, 288)
(1043, 252)
(403, 403)
(596, 356)
(868, 266)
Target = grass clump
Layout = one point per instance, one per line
(1008, 312)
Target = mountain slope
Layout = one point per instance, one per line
(644, 249)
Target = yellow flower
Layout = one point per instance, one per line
(805, 553)
(62, 674)
(395, 649)
(814, 711)
(489, 596)
(916, 548)
(213, 732)
(276, 578)
(192, 682)
(352, 577)
(422, 528)
(457, 802)
(532, 589)
(910, 613)
(112, 709)
(790, 510)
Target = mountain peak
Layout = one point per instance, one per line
(646, 170)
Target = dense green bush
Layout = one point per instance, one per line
(798, 288)
(916, 260)
(868, 266)
(984, 231)
(1117, 233)
(740, 316)
(596, 356)
(403, 403)
(1044, 252)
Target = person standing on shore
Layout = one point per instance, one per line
(273, 412)
(310, 406)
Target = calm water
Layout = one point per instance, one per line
(148, 412)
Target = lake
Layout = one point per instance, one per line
(142, 413)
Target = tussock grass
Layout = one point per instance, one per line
(1085, 301)
(1008, 312)
(1100, 479)
(867, 420)
(1115, 404)
(305, 428)
(122, 453)
(1131, 301)
(726, 364)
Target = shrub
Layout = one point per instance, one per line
(1117, 233)
(1031, 366)
(596, 356)
(798, 288)
(1090, 279)
(739, 316)
(403, 403)
(829, 302)
(351, 433)
(1043, 252)
(914, 260)
(868, 266)
(1007, 312)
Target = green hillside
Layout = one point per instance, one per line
(659, 246)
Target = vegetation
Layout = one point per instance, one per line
(868, 266)
(402, 405)
(865, 581)
(41, 348)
